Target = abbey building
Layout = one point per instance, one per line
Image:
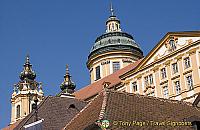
(164, 85)
(171, 70)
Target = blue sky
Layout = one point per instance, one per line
(59, 32)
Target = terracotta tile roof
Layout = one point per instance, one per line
(12, 126)
(96, 87)
(126, 107)
(56, 112)
(82, 119)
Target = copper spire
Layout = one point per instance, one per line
(27, 60)
(67, 85)
(27, 72)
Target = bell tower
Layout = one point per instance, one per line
(24, 93)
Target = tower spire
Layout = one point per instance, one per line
(113, 23)
(27, 59)
(27, 72)
(67, 71)
(67, 85)
(111, 9)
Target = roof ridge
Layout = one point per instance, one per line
(32, 113)
(82, 110)
(104, 104)
(151, 97)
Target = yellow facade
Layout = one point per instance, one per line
(106, 64)
(170, 70)
(24, 100)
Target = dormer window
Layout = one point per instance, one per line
(172, 44)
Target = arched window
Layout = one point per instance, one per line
(18, 111)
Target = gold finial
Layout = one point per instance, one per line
(27, 59)
(67, 69)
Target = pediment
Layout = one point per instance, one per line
(170, 43)
(163, 49)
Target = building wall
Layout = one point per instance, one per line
(106, 64)
(163, 58)
(25, 101)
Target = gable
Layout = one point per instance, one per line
(165, 48)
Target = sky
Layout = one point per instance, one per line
(59, 32)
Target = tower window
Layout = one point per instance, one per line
(98, 72)
(116, 66)
(116, 26)
(175, 68)
(113, 26)
(177, 87)
(18, 111)
(134, 86)
(187, 62)
(189, 82)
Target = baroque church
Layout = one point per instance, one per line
(127, 90)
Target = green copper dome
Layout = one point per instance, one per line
(115, 41)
